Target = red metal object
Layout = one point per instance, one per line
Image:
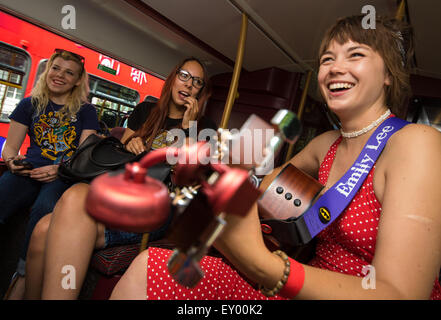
(233, 193)
(266, 228)
(191, 163)
(131, 201)
(134, 202)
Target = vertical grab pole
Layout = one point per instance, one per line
(401, 10)
(300, 112)
(144, 242)
(236, 73)
(304, 95)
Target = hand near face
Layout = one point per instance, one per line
(191, 113)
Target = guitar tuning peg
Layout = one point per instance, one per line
(183, 265)
(185, 269)
(287, 124)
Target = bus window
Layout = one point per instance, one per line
(113, 101)
(40, 69)
(14, 67)
(151, 99)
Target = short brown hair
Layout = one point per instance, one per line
(392, 40)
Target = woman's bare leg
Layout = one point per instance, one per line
(35, 259)
(16, 292)
(133, 284)
(71, 239)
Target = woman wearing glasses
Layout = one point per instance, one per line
(183, 95)
(73, 235)
(57, 119)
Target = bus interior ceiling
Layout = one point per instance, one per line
(154, 34)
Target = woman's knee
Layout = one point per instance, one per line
(74, 194)
(39, 234)
(72, 201)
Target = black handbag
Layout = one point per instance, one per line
(97, 155)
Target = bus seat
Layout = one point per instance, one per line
(117, 132)
(114, 260)
(111, 261)
(262, 92)
(104, 128)
(108, 265)
(150, 98)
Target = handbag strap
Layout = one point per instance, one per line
(334, 201)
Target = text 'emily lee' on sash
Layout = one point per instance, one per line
(361, 168)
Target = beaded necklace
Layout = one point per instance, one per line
(375, 123)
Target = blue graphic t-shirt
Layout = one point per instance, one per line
(51, 136)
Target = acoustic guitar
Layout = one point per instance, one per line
(288, 196)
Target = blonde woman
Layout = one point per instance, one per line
(57, 118)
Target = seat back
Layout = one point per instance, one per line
(117, 132)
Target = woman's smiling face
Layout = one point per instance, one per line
(63, 75)
(351, 75)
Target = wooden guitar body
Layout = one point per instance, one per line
(290, 194)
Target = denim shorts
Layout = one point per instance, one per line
(115, 238)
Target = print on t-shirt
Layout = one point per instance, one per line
(54, 135)
(161, 140)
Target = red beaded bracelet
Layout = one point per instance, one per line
(295, 280)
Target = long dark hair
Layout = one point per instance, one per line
(156, 119)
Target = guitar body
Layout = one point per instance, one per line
(290, 195)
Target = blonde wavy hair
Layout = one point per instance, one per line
(78, 96)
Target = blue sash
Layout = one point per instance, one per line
(334, 201)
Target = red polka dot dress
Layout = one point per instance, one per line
(348, 244)
(221, 281)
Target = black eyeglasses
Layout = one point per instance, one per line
(75, 55)
(185, 76)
